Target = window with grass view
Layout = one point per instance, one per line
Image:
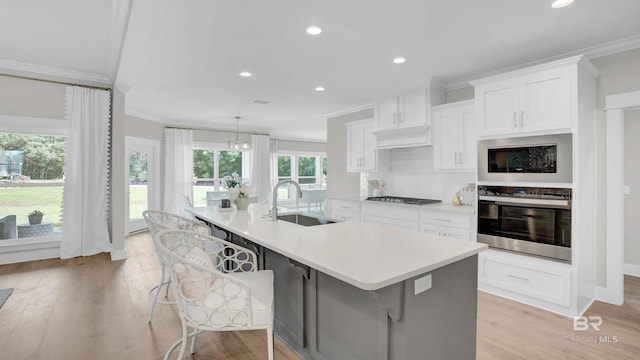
(31, 178)
(310, 170)
(210, 165)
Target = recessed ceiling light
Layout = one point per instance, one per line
(399, 60)
(245, 74)
(556, 4)
(319, 88)
(314, 30)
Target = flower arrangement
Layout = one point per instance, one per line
(245, 191)
(233, 181)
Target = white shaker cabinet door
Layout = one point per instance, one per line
(388, 113)
(413, 109)
(497, 107)
(545, 101)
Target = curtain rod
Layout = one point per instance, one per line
(215, 130)
(57, 82)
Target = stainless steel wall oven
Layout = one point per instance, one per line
(530, 220)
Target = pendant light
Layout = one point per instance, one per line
(238, 145)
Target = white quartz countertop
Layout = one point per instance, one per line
(366, 255)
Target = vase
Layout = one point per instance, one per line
(233, 194)
(242, 203)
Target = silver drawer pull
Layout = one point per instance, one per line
(345, 207)
(518, 277)
(446, 220)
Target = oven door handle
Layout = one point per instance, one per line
(526, 201)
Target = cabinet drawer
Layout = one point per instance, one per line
(444, 218)
(392, 222)
(345, 206)
(345, 216)
(390, 212)
(445, 231)
(548, 282)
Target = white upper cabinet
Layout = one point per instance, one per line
(454, 136)
(403, 111)
(361, 146)
(528, 101)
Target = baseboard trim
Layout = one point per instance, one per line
(632, 270)
(605, 295)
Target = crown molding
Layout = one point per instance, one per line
(16, 66)
(119, 26)
(593, 52)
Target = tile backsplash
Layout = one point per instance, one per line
(411, 174)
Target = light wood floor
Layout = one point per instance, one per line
(93, 308)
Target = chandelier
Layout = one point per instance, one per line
(237, 145)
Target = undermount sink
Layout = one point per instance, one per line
(305, 220)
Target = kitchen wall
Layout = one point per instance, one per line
(289, 145)
(631, 201)
(411, 174)
(142, 128)
(31, 98)
(339, 181)
(618, 74)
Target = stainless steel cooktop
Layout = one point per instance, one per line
(403, 200)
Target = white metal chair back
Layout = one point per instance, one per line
(212, 282)
(159, 221)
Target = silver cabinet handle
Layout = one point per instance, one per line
(400, 119)
(521, 118)
(445, 220)
(518, 277)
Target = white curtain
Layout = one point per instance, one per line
(261, 167)
(178, 170)
(85, 229)
(273, 177)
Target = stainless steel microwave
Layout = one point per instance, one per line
(545, 159)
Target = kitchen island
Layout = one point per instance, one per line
(354, 290)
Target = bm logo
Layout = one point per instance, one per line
(582, 323)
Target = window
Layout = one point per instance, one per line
(306, 169)
(211, 163)
(32, 178)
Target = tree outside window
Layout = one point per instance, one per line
(31, 175)
(210, 165)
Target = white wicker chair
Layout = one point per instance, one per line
(158, 221)
(216, 285)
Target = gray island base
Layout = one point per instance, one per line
(429, 314)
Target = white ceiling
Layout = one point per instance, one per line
(180, 59)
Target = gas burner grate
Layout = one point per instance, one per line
(403, 200)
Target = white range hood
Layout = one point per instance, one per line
(403, 137)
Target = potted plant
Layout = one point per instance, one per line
(243, 200)
(35, 217)
(233, 184)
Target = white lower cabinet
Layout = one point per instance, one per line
(393, 222)
(448, 224)
(343, 210)
(390, 215)
(523, 278)
(445, 231)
